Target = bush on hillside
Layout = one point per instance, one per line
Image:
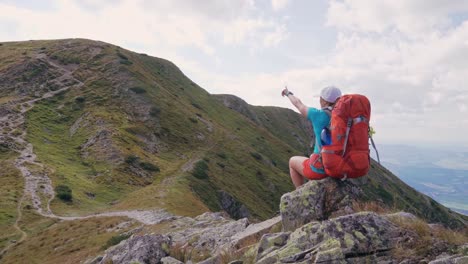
(80, 99)
(197, 106)
(155, 111)
(131, 159)
(121, 56)
(149, 166)
(4, 148)
(256, 155)
(200, 170)
(115, 240)
(64, 193)
(138, 90)
(126, 62)
(221, 155)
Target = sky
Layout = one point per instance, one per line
(408, 57)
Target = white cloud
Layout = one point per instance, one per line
(173, 24)
(253, 32)
(279, 4)
(414, 18)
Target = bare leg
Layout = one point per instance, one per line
(296, 170)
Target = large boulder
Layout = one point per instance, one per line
(207, 233)
(318, 200)
(353, 238)
(148, 249)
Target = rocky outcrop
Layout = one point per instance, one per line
(318, 200)
(205, 237)
(234, 208)
(357, 237)
(307, 231)
(101, 147)
(252, 234)
(206, 233)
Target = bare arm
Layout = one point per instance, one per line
(303, 109)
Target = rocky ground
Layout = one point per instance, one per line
(318, 223)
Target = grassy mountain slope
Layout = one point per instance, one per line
(136, 133)
(130, 136)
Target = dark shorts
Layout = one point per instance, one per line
(313, 168)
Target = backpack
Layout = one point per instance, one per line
(347, 155)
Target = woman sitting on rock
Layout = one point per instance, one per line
(312, 168)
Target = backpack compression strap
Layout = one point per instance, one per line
(351, 121)
(373, 145)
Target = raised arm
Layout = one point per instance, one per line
(303, 109)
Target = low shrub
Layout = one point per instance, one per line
(126, 62)
(197, 106)
(221, 155)
(131, 159)
(115, 240)
(155, 111)
(121, 56)
(64, 193)
(200, 170)
(80, 99)
(149, 166)
(256, 155)
(138, 90)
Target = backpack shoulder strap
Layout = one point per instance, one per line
(328, 110)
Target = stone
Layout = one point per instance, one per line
(208, 232)
(213, 260)
(271, 242)
(170, 260)
(317, 200)
(455, 259)
(253, 233)
(148, 249)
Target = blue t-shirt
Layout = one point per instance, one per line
(319, 119)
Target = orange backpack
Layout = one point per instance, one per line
(348, 154)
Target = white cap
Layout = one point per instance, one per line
(330, 94)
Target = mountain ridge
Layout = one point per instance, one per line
(126, 131)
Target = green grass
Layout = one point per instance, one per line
(11, 190)
(48, 130)
(50, 241)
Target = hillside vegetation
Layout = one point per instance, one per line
(129, 131)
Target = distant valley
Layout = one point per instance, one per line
(440, 173)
